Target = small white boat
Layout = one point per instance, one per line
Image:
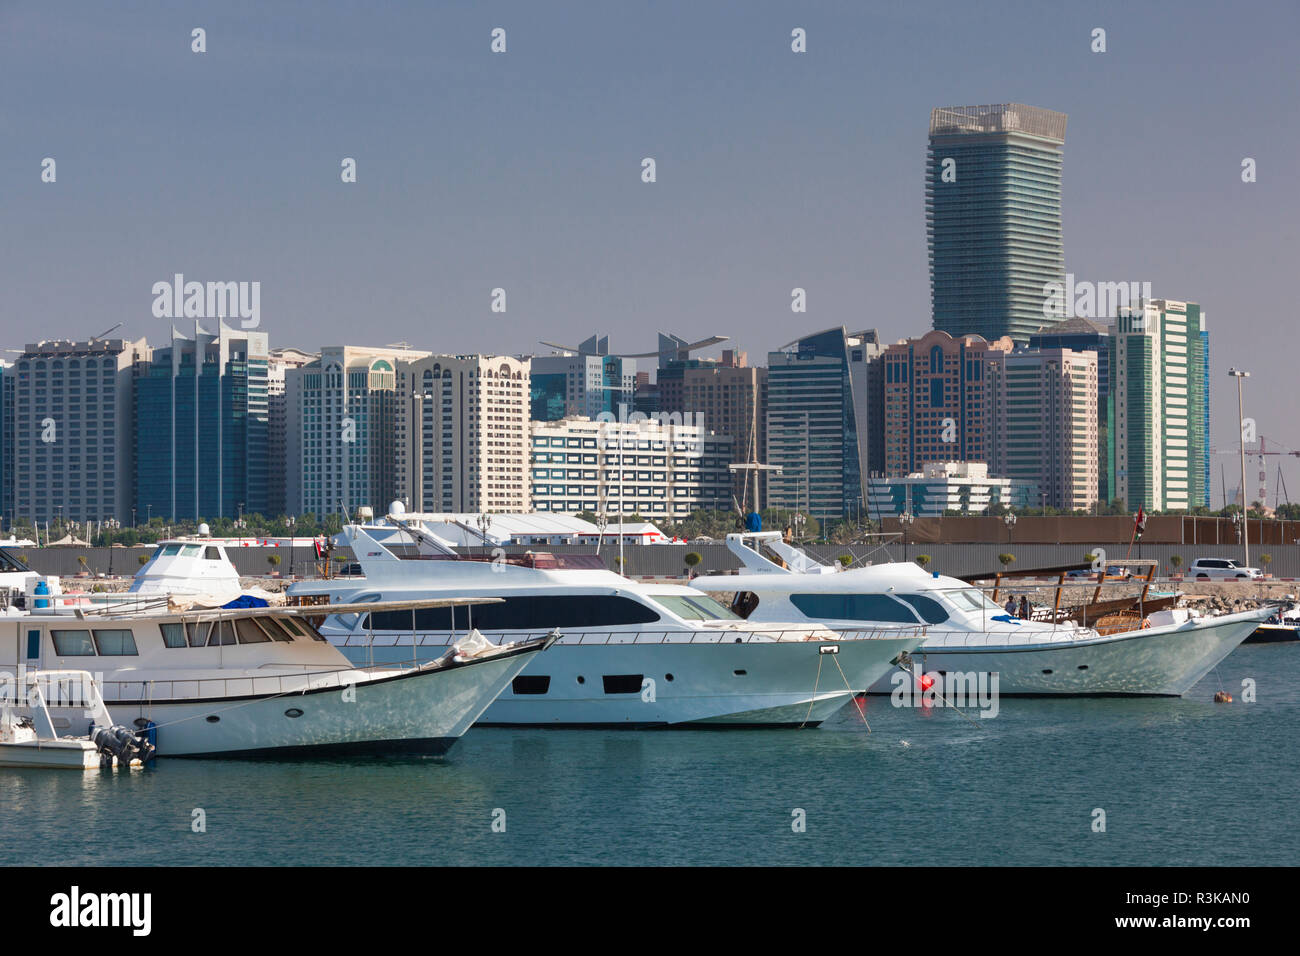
(32, 741)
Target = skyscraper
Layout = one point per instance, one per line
(937, 403)
(201, 426)
(462, 434)
(730, 398)
(1045, 424)
(345, 405)
(1159, 409)
(72, 419)
(817, 420)
(993, 217)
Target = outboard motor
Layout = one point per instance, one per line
(122, 743)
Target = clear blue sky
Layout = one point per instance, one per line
(522, 170)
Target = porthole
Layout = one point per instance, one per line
(213, 718)
(1083, 667)
(740, 673)
(668, 677)
(581, 679)
(293, 712)
(1047, 671)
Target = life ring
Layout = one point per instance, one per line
(1146, 623)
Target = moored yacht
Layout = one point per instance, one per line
(230, 681)
(630, 654)
(966, 633)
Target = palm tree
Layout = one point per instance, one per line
(1007, 559)
(923, 560)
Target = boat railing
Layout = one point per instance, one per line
(216, 688)
(683, 636)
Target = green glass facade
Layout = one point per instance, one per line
(201, 428)
(993, 217)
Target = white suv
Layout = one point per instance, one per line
(1223, 568)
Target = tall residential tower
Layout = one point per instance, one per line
(993, 217)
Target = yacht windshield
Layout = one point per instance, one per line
(694, 607)
(973, 599)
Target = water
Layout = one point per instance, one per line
(1181, 782)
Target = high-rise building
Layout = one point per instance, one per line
(345, 407)
(937, 402)
(284, 433)
(1044, 423)
(72, 445)
(993, 217)
(729, 398)
(646, 467)
(1159, 447)
(580, 384)
(462, 434)
(817, 422)
(200, 423)
(1087, 335)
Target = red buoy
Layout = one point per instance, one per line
(926, 682)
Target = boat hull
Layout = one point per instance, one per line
(653, 684)
(1274, 634)
(422, 711)
(1154, 662)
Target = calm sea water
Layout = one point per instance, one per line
(1181, 782)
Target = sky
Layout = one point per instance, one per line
(522, 170)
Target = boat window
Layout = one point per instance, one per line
(931, 611)
(174, 634)
(199, 633)
(276, 629)
(191, 550)
(115, 642)
(530, 684)
(854, 607)
(170, 550)
(222, 634)
(249, 632)
(521, 613)
(973, 599)
(694, 607)
(622, 683)
(73, 643)
(211, 554)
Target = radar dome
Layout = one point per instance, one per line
(397, 508)
(204, 530)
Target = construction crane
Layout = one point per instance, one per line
(1261, 452)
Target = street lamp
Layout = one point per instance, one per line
(1241, 424)
(1010, 519)
(484, 522)
(291, 521)
(906, 519)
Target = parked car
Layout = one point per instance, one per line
(1221, 569)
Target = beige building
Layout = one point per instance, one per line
(1043, 404)
(461, 434)
(730, 398)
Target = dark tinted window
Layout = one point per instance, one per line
(931, 611)
(521, 613)
(528, 684)
(623, 683)
(853, 607)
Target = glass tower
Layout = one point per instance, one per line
(993, 217)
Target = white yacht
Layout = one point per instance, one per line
(233, 681)
(630, 655)
(966, 633)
